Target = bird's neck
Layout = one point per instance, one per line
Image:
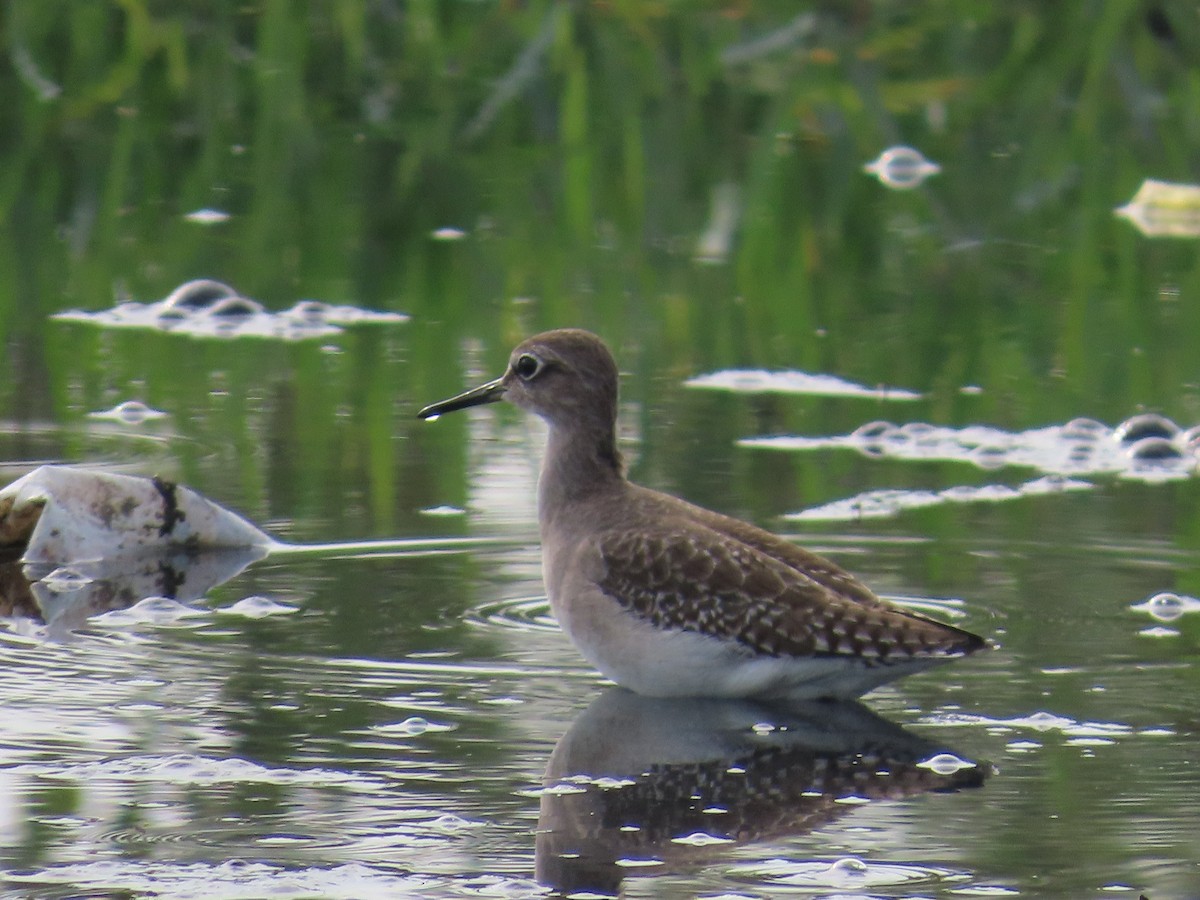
(579, 461)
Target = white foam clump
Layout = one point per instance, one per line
(701, 839)
(844, 872)
(256, 607)
(761, 381)
(443, 511)
(946, 764)
(1146, 447)
(230, 879)
(205, 308)
(130, 412)
(901, 168)
(157, 611)
(884, 503)
(207, 216)
(1167, 606)
(1040, 721)
(188, 768)
(413, 726)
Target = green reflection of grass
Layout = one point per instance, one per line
(580, 146)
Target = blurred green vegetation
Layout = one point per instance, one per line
(585, 149)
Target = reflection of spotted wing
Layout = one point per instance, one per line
(694, 579)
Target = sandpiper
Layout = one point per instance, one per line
(670, 599)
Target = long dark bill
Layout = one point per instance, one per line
(485, 393)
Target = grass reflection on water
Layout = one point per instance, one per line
(585, 153)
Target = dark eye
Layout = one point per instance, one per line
(527, 365)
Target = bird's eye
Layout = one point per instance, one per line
(527, 366)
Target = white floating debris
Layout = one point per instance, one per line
(64, 515)
(1164, 209)
(759, 381)
(131, 412)
(448, 823)
(256, 607)
(65, 580)
(448, 234)
(207, 216)
(211, 309)
(187, 768)
(850, 871)
(883, 504)
(901, 168)
(946, 764)
(95, 542)
(1081, 447)
(1144, 425)
(1158, 631)
(849, 866)
(1167, 607)
(155, 611)
(443, 511)
(410, 727)
(701, 839)
(1039, 721)
(1023, 746)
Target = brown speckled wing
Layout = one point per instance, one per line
(695, 579)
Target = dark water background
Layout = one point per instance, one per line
(686, 180)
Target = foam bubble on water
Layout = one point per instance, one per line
(759, 381)
(231, 880)
(1146, 447)
(256, 607)
(1144, 425)
(158, 611)
(65, 580)
(188, 768)
(443, 511)
(1040, 721)
(630, 862)
(946, 764)
(413, 726)
(850, 867)
(130, 412)
(840, 873)
(1166, 606)
(701, 839)
(880, 504)
(452, 825)
(205, 308)
(901, 168)
(207, 216)
(1158, 631)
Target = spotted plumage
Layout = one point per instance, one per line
(668, 598)
(701, 581)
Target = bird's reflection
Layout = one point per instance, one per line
(639, 778)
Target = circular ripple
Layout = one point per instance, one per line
(849, 872)
(518, 612)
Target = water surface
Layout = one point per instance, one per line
(691, 185)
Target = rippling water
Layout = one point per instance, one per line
(399, 724)
(873, 277)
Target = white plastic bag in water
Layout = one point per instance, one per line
(64, 515)
(96, 541)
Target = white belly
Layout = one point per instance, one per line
(675, 663)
